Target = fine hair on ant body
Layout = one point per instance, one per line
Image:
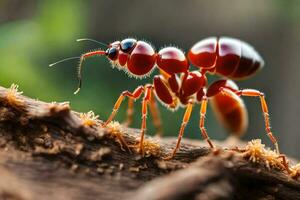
(177, 86)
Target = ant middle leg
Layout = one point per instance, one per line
(134, 95)
(185, 120)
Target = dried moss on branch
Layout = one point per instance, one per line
(48, 151)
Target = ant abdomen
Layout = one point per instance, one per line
(225, 56)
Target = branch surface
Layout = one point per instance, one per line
(48, 151)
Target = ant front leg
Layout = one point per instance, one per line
(153, 110)
(129, 112)
(185, 120)
(147, 96)
(134, 95)
(264, 106)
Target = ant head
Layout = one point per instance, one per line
(112, 51)
(125, 46)
(128, 45)
(137, 58)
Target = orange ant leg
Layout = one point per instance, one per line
(185, 120)
(135, 95)
(264, 106)
(129, 112)
(202, 119)
(155, 115)
(147, 96)
(285, 163)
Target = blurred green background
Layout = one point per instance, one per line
(35, 33)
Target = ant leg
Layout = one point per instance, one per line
(146, 99)
(264, 106)
(185, 120)
(129, 112)
(155, 115)
(135, 95)
(202, 119)
(285, 163)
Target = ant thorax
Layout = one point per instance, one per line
(173, 91)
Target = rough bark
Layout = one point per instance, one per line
(48, 152)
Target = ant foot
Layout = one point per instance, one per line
(169, 157)
(139, 148)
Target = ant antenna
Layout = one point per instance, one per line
(92, 40)
(79, 69)
(92, 53)
(71, 58)
(79, 75)
(81, 58)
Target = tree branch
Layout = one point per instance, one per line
(48, 151)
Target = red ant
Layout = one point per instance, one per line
(176, 86)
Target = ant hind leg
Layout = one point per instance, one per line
(264, 106)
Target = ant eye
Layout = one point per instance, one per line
(127, 45)
(112, 53)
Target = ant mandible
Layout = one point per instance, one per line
(176, 86)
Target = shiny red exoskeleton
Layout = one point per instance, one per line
(177, 86)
